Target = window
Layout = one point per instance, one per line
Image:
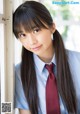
(2, 23)
(6, 51)
(67, 21)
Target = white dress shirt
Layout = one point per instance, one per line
(42, 75)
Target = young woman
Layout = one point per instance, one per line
(42, 44)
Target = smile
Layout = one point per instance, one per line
(36, 48)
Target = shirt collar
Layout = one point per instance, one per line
(40, 64)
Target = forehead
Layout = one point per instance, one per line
(27, 25)
(23, 29)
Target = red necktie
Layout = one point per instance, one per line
(52, 98)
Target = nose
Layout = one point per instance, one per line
(32, 39)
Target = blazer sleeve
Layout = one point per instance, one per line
(19, 97)
(74, 62)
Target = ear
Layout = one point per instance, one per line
(53, 28)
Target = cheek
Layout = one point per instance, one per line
(26, 46)
(46, 38)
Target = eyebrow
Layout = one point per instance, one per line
(20, 32)
(33, 27)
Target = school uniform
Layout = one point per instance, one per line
(42, 76)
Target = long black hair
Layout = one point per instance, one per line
(34, 13)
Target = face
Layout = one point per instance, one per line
(38, 41)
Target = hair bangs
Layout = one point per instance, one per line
(27, 21)
(31, 22)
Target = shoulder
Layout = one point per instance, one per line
(72, 52)
(73, 55)
(17, 67)
(73, 58)
(74, 63)
(18, 71)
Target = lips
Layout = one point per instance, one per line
(36, 48)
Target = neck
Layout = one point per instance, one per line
(47, 56)
(46, 60)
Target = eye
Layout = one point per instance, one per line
(22, 35)
(36, 30)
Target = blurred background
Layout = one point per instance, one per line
(67, 20)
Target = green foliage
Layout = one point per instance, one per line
(63, 11)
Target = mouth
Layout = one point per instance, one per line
(36, 48)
